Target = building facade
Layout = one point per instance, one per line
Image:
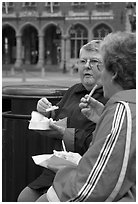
(49, 35)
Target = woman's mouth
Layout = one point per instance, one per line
(88, 75)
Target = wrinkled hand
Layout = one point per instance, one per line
(92, 108)
(43, 104)
(60, 129)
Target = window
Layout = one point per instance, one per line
(52, 6)
(101, 31)
(9, 4)
(49, 4)
(78, 37)
(130, 5)
(7, 7)
(29, 4)
(78, 3)
(103, 4)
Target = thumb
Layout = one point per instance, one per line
(52, 124)
(60, 129)
(92, 102)
(86, 112)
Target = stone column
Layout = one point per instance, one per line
(65, 39)
(41, 52)
(18, 62)
(68, 53)
(90, 35)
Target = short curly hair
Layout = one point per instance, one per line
(92, 46)
(119, 57)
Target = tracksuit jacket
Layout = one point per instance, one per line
(107, 171)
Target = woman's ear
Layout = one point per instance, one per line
(114, 75)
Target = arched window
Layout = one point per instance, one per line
(8, 45)
(78, 37)
(101, 31)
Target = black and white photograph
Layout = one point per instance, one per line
(68, 101)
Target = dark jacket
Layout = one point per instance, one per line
(78, 134)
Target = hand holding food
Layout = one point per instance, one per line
(40, 122)
(58, 125)
(43, 104)
(91, 108)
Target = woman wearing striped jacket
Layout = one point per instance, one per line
(107, 171)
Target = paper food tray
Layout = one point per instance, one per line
(40, 122)
(51, 161)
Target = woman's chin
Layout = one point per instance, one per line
(89, 81)
(88, 84)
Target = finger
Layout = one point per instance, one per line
(83, 105)
(53, 125)
(41, 108)
(43, 104)
(44, 101)
(57, 128)
(84, 99)
(92, 102)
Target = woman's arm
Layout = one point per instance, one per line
(96, 175)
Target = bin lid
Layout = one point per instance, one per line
(33, 90)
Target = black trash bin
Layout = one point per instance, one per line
(20, 143)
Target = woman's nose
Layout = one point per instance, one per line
(87, 65)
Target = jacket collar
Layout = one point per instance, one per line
(125, 95)
(80, 88)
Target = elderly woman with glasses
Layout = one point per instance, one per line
(107, 171)
(78, 134)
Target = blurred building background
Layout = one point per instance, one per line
(48, 35)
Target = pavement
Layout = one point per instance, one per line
(35, 77)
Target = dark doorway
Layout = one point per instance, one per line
(8, 45)
(30, 45)
(52, 45)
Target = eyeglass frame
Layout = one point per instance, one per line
(90, 61)
(85, 61)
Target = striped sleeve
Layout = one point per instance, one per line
(104, 155)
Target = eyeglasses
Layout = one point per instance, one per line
(92, 62)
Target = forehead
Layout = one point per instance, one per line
(90, 54)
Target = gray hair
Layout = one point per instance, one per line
(92, 46)
(119, 57)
